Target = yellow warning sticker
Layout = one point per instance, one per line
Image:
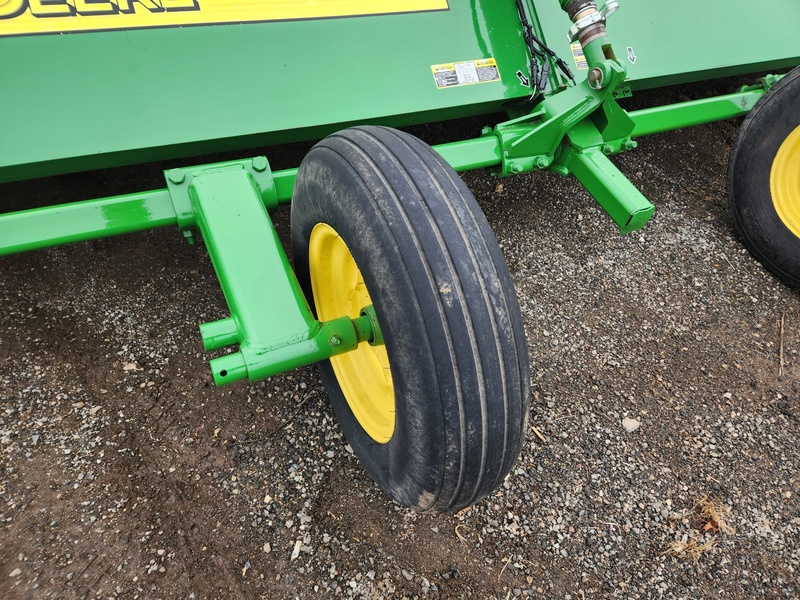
(465, 73)
(578, 57)
(24, 17)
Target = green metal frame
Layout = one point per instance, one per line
(229, 204)
(50, 226)
(571, 131)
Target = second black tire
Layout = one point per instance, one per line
(764, 179)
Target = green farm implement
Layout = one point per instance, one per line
(397, 288)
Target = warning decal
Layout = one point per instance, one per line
(465, 73)
(24, 17)
(578, 57)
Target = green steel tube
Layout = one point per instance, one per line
(219, 334)
(284, 184)
(80, 221)
(693, 112)
(256, 362)
(472, 154)
(624, 203)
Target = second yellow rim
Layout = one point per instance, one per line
(784, 182)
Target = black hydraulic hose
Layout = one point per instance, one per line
(539, 51)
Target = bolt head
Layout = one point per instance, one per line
(260, 163)
(176, 176)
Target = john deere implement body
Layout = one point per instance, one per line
(399, 290)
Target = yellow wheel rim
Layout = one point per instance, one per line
(784, 182)
(363, 374)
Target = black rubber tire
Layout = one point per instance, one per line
(773, 118)
(446, 306)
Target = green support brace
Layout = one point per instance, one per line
(49, 226)
(585, 158)
(694, 112)
(573, 130)
(270, 318)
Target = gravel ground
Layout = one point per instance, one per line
(660, 461)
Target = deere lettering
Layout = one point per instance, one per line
(43, 17)
(10, 9)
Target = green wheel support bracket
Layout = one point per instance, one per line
(228, 204)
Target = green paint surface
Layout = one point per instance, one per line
(88, 100)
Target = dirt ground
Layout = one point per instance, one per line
(661, 461)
